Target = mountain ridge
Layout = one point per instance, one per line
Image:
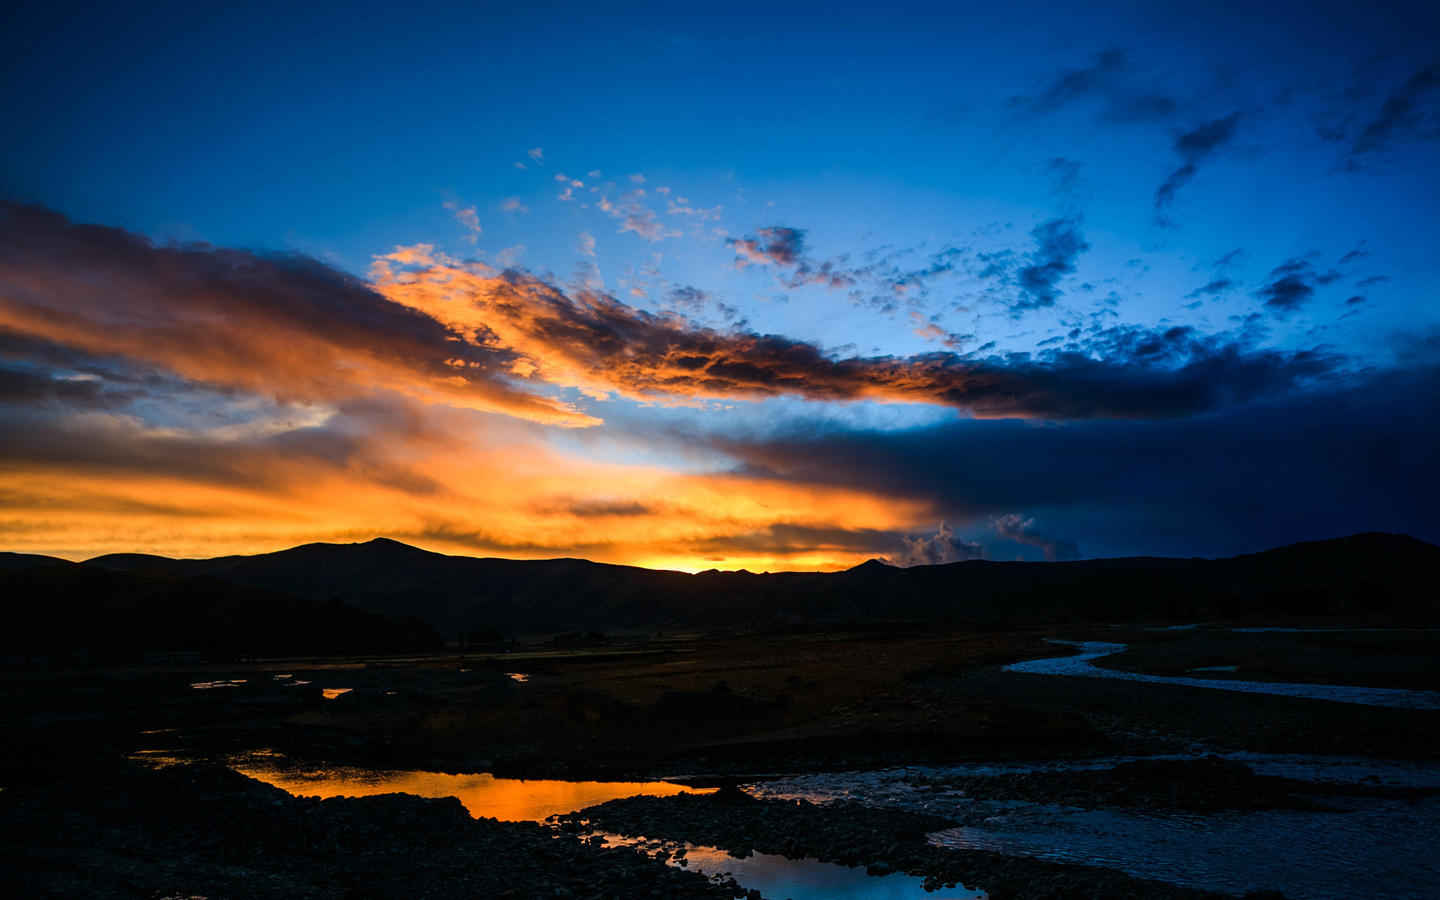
(373, 585)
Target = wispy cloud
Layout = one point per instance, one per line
(1194, 147)
(635, 217)
(1123, 94)
(1403, 115)
(1213, 288)
(1021, 529)
(468, 218)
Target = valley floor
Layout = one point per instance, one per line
(718, 710)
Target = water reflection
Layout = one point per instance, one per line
(508, 799)
(803, 879)
(810, 879)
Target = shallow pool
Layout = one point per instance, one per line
(484, 795)
(804, 879)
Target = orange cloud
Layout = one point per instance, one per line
(445, 484)
(278, 326)
(595, 343)
(189, 400)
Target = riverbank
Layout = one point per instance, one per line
(710, 710)
(121, 831)
(882, 841)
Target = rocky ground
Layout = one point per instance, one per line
(883, 841)
(1200, 786)
(76, 821)
(199, 831)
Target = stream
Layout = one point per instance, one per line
(1082, 665)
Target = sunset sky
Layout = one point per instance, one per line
(774, 287)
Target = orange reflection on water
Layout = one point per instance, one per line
(508, 799)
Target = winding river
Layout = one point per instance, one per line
(1082, 665)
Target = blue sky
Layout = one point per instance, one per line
(1016, 189)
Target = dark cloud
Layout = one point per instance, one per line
(776, 245)
(786, 538)
(1230, 258)
(784, 248)
(1287, 294)
(1197, 144)
(1404, 114)
(1353, 255)
(1109, 80)
(1073, 84)
(1193, 147)
(24, 387)
(1356, 453)
(1058, 247)
(1354, 301)
(1165, 194)
(1292, 285)
(603, 509)
(1372, 281)
(1212, 288)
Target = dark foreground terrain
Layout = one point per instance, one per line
(80, 820)
(192, 831)
(714, 706)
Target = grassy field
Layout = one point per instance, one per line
(695, 704)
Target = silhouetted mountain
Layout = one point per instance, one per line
(61, 610)
(9, 561)
(307, 596)
(873, 565)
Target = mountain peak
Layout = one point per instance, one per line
(874, 565)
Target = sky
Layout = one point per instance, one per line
(776, 288)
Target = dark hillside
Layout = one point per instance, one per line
(384, 595)
(60, 612)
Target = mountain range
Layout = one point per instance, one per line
(382, 594)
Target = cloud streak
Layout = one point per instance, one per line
(1403, 114)
(1193, 147)
(599, 345)
(1110, 79)
(281, 326)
